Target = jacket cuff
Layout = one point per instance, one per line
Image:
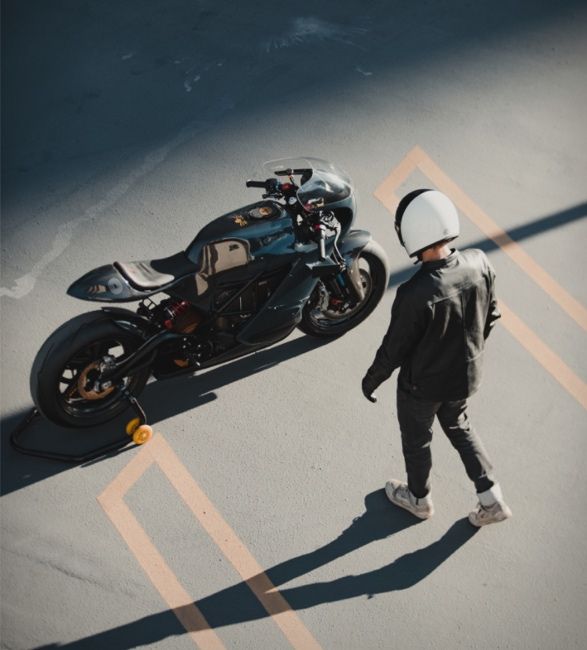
(369, 384)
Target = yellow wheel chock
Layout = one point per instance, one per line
(133, 425)
(142, 434)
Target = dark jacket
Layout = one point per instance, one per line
(439, 322)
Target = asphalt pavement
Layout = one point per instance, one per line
(256, 517)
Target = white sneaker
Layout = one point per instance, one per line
(399, 493)
(491, 508)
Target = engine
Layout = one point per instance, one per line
(232, 305)
(236, 306)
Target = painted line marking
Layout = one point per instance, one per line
(544, 355)
(163, 577)
(147, 555)
(418, 159)
(159, 452)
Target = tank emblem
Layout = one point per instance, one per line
(262, 213)
(239, 220)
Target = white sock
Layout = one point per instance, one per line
(491, 496)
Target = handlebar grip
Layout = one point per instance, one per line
(260, 184)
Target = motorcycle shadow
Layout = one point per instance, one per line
(166, 398)
(160, 399)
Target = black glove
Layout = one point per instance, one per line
(368, 387)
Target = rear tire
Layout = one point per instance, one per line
(327, 324)
(64, 363)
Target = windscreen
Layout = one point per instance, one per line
(320, 182)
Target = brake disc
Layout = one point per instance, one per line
(87, 388)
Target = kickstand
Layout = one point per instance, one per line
(137, 429)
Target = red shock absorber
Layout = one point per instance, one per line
(172, 311)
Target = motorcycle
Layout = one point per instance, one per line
(247, 280)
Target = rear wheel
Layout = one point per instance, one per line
(67, 365)
(325, 316)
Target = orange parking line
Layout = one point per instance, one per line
(418, 159)
(491, 230)
(399, 174)
(118, 488)
(149, 557)
(112, 501)
(544, 355)
(162, 576)
(232, 547)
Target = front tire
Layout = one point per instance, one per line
(321, 321)
(61, 376)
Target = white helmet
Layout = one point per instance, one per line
(424, 218)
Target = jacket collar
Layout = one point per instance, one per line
(448, 261)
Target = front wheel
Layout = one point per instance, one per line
(63, 375)
(326, 317)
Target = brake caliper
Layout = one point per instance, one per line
(89, 385)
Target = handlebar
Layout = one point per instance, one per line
(261, 184)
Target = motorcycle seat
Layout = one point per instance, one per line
(153, 274)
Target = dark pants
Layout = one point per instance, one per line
(415, 420)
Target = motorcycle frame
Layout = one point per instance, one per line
(272, 323)
(301, 262)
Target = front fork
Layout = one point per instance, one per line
(346, 286)
(350, 280)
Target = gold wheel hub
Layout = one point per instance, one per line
(82, 383)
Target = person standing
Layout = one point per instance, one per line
(440, 320)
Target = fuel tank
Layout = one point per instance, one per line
(264, 228)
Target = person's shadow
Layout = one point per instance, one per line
(238, 604)
(379, 521)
